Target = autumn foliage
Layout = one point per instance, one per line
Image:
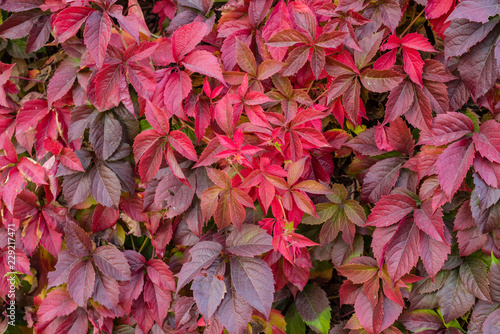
(250, 166)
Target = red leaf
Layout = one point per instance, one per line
(81, 282)
(453, 165)
(107, 86)
(103, 218)
(413, 65)
(63, 79)
(205, 63)
(68, 22)
(112, 262)
(96, 35)
(69, 159)
(380, 80)
(177, 88)
(401, 253)
(58, 303)
(487, 141)
(32, 171)
(148, 147)
(390, 209)
(185, 39)
(380, 178)
(430, 221)
(30, 114)
(182, 144)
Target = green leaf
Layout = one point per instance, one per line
(322, 324)
(314, 308)
(294, 323)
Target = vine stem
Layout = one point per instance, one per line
(143, 244)
(237, 171)
(412, 22)
(29, 79)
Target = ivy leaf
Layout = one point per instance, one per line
(209, 288)
(390, 210)
(96, 35)
(487, 141)
(203, 254)
(234, 312)
(63, 80)
(81, 282)
(380, 178)
(58, 303)
(474, 275)
(105, 134)
(251, 279)
(112, 262)
(250, 241)
(453, 165)
(314, 308)
(453, 298)
(104, 186)
(77, 240)
(401, 253)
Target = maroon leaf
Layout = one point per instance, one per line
(478, 67)
(453, 164)
(203, 254)
(249, 241)
(311, 302)
(390, 210)
(105, 134)
(209, 288)
(159, 273)
(380, 178)
(81, 282)
(77, 240)
(158, 301)
(251, 279)
(474, 275)
(433, 253)
(487, 141)
(454, 300)
(65, 263)
(112, 262)
(103, 218)
(380, 80)
(104, 186)
(430, 221)
(234, 312)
